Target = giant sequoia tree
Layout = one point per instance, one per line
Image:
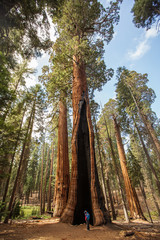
(80, 22)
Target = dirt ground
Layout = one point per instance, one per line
(52, 229)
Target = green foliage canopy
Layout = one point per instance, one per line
(146, 12)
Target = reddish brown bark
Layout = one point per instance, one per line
(84, 192)
(62, 177)
(134, 205)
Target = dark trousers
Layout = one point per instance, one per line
(87, 224)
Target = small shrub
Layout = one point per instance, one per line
(35, 211)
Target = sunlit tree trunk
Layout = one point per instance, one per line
(84, 192)
(62, 177)
(134, 205)
(117, 172)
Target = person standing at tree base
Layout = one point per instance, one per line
(87, 218)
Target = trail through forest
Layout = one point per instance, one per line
(52, 229)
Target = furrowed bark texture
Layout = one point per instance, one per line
(85, 192)
(62, 177)
(134, 205)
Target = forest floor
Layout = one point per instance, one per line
(52, 229)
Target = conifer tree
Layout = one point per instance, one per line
(79, 23)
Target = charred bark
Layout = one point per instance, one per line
(85, 192)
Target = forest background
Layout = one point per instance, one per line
(30, 130)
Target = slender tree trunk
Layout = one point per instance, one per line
(84, 192)
(41, 185)
(101, 165)
(149, 160)
(111, 199)
(109, 189)
(154, 198)
(152, 134)
(18, 172)
(25, 157)
(117, 173)
(50, 180)
(134, 205)
(45, 182)
(62, 177)
(145, 200)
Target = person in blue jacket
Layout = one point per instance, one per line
(87, 218)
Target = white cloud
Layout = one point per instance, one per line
(33, 63)
(143, 44)
(31, 81)
(52, 29)
(141, 49)
(151, 33)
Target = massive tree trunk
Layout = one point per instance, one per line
(62, 177)
(84, 192)
(134, 205)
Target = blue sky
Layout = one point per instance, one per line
(136, 49)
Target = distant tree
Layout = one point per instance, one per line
(106, 117)
(134, 205)
(36, 101)
(21, 22)
(133, 87)
(146, 13)
(50, 179)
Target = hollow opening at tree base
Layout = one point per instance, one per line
(84, 171)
